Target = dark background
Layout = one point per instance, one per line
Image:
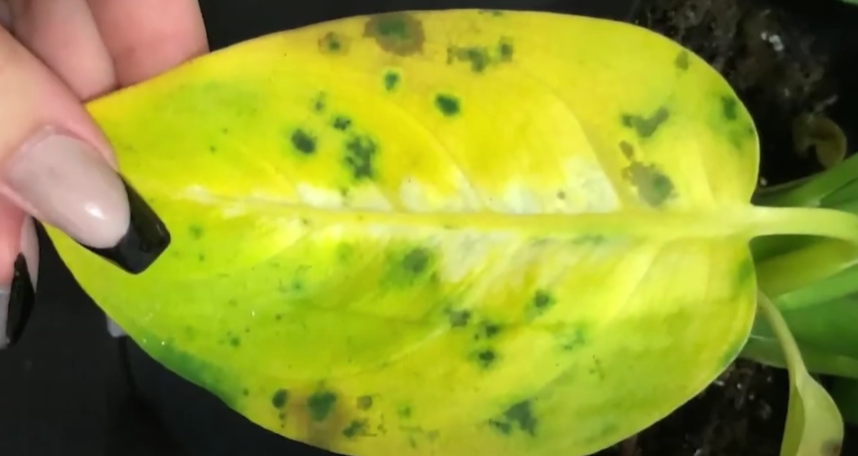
(69, 389)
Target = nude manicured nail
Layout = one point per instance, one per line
(17, 298)
(70, 186)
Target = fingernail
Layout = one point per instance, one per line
(114, 329)
(70, 186)
(17, 299)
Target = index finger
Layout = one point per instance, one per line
(147, 37)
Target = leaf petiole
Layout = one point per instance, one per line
(814, 426)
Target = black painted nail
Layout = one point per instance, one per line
(146, 239)
(22, 297)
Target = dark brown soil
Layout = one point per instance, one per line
(783, 62)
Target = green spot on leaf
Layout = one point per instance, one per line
(359, 157)
(404, 412)
(354, 429)
(334, 43)
(520, 415)
(416, 261)
(481, 57)
(730, 108)
(391, 80)
(321, 404)
(303, 142)
(397, 33)
(542, 300)
(341, 123)
(646, 126)
(364, 402)
(235, 341)
(447, 104)
(459, 318)
(486, 358)
(196, 231)
(682, 60)
(653, 186)
(280, 398)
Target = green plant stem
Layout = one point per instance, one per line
(828, 223)
(812, 191)
(814, 426)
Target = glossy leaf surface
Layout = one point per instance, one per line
(457, 233)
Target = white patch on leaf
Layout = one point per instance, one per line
(587, 187)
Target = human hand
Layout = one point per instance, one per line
(55, 164)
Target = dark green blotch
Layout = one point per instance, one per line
(404, 412)
(417, 260)
(321, 405)
(333, 43)
(486, 358)
(682, 60)
(391, 81)
(279, 398)
(341, 123)
(490, 330)
(319, 103)
(364, 402)
(654, 188)
(730, 107)
(459, 318)
(505, 50)
(646, 126)
(196, 231)
(235, 341)
(627, 149)
(398, 33)
(359, 157)
(542, 300)
(447, 104)
(575, 340)
(519, 415)
(355, 428)
(303, 142)
(478, 57)
(481, 57)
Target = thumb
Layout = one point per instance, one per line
(56, 166)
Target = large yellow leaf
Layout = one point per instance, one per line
(453, 233)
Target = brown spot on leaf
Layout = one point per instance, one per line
(398, 33)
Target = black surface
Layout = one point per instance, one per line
(67, 388)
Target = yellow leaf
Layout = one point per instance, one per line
(458, 232)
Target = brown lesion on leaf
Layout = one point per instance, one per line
(397, 33)
(334, 43)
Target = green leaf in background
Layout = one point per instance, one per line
(814, 425)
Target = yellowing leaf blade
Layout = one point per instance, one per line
(441, 232)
